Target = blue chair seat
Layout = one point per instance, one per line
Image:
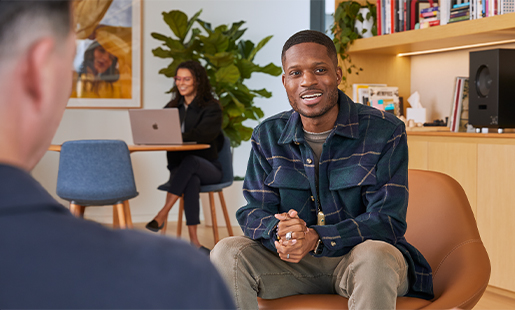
(97, 173)
(225, 158)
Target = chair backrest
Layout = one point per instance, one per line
(442, 227)
(225, 158)
(95, 172)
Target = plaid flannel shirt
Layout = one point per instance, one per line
(363, 184)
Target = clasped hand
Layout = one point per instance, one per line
(302, 239)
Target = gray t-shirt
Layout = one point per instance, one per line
(316, 142)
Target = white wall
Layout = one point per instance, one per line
(282, 18)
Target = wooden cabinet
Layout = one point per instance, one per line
(484, 165)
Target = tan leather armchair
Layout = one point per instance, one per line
(442, 227)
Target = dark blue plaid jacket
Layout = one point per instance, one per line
(363, 184)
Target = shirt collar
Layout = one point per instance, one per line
(346, 125)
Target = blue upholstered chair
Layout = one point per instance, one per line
(97, 173)
(225, 158)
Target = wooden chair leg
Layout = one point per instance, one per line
(82, 210)
(121, 215)
(181, 211)
(163, 231)
(77, 210)
(73, 209)
(213, 216)
(128, 216)
(226, 214)
(116, 220)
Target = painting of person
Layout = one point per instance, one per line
(103, 65)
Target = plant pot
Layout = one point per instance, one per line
(366, 24)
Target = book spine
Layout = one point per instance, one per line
(431, 9)
(429, 14)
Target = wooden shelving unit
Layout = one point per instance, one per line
(484, 30)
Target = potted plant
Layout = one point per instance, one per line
(347, 14)
(228, 61)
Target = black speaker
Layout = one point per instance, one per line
(492, 88)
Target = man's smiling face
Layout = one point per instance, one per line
(311, 80)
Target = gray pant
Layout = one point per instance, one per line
(371, 275)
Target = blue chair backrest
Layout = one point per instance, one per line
(225, 158)
(95, 172)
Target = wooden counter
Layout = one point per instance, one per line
(484, 165)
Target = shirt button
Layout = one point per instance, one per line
(312, 198)
(309, 161)
(333, 243)
(296, 143)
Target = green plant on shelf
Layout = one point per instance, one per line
(228, 60)
(345, 32)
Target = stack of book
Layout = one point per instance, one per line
(429, 17)
(402, 15)
(460, 12)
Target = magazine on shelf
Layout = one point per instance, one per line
(385, 99)
(360, 92)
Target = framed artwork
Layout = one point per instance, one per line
(107, 66)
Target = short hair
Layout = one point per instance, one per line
(311, 36)
(24, 21)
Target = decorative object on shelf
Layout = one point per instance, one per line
(345, 31)
(492, 80)
(228, 61)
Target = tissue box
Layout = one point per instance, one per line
(416, 114)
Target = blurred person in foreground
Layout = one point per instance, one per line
(327, 194)
(49, 258)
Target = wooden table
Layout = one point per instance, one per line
(150, 148)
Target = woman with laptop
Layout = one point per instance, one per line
(201, 121)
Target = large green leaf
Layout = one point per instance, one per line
(258, 47)
(246, 68)
(245, 47)
(221, 59)
(178, 23)
(192, 20)
(270, 69)
(161, 53)
(159, 36)
(229, 74)
(262, 92)
(215, 43)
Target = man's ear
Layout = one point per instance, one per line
(339, 74)
(283, 78)
(36, 70)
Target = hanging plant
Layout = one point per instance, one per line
(345, 32)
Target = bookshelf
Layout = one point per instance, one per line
(377, 56)
(455, 35)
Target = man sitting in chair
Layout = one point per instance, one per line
(50, 259)
(326, 190)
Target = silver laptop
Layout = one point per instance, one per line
(156, 126)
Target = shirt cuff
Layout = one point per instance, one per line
(330, 237)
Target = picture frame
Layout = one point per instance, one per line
(107, 67)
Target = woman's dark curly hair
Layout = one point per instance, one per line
(204, 90)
